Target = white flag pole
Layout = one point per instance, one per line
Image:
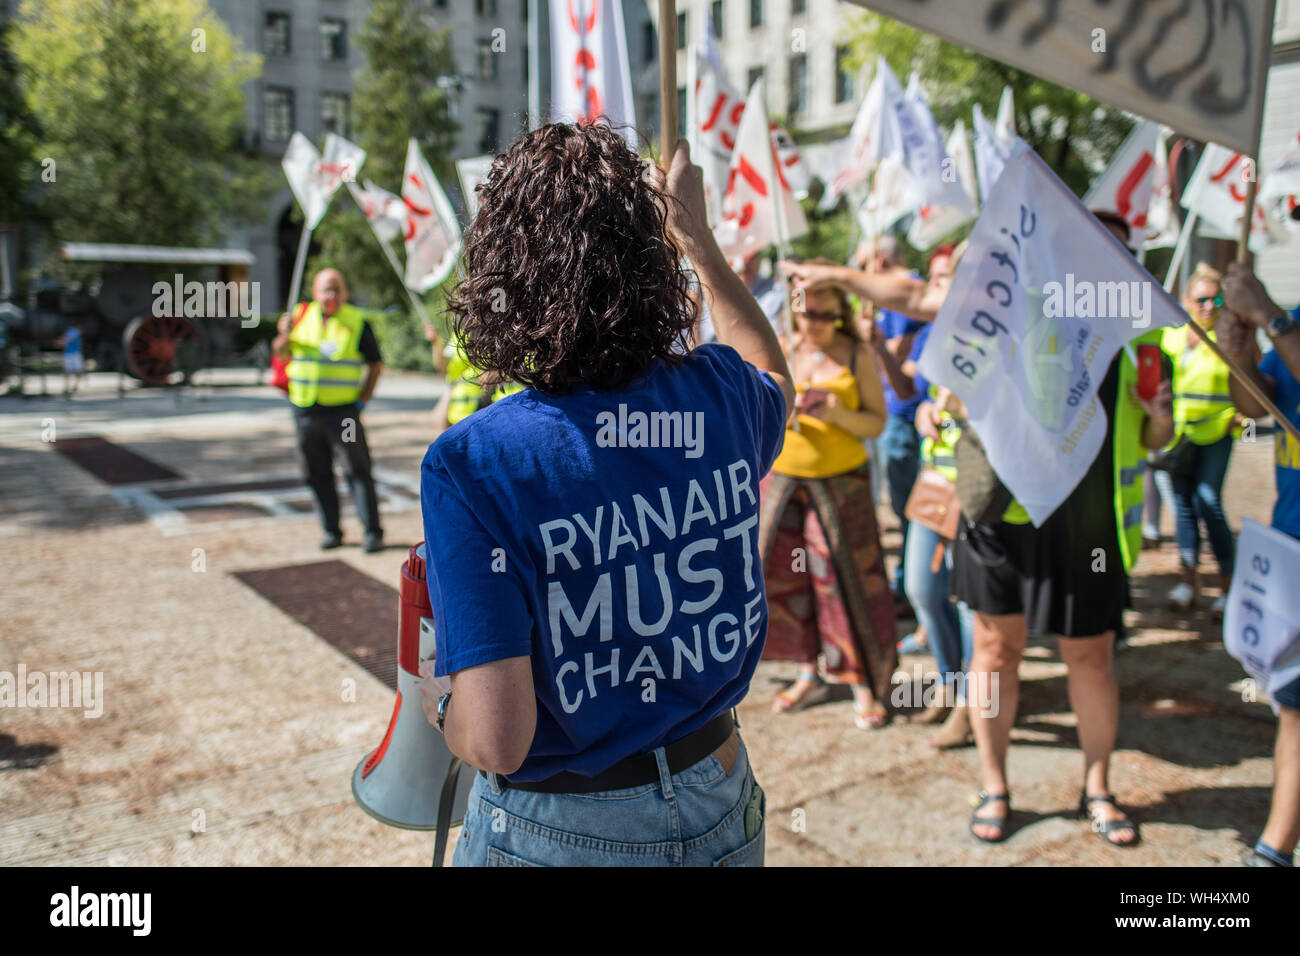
(1180, 249)
(298, 263)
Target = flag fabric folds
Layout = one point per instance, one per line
(591, 79)
(1043, 299)
(432, 234)
(313, 177)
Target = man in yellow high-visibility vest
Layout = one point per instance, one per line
(334, 365)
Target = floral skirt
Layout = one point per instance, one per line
(827, 593)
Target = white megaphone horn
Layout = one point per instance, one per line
(411, 780)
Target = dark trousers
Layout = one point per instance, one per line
(1198, 497)
(321, 429)
(900, 447)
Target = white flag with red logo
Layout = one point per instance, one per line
(313, 177)
(1279, 192)
(1128, 183)
(713, 123)
(1217, 194)
(590, 77)
(1163, 223)
(431, 232)
(758, 206)
(865, 137)
(385, 212)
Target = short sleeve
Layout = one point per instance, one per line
(369, 345)
(479, 610)
(762, 401)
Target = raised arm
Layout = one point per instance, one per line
(915, 298)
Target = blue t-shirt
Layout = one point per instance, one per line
(895, 324)
(1286, 512)
(613, 538)
(72, 346)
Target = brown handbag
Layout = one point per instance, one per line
(934, 504)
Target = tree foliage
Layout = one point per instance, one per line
(18, 132)
(397, 96)
(140, 108)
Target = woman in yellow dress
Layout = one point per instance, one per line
(826, 587)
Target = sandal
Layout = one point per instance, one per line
(872, 717)
(790, 700)
(1104, 828)
(980, 801)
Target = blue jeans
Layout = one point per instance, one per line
(947, 624)
(1197, 498)
(900, 449)
(692, 818)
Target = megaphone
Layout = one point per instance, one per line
(411, 780)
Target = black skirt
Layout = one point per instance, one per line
(1067, 577)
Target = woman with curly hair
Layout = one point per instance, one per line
(592, 541)
(826, 581)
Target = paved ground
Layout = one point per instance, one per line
(229, 734)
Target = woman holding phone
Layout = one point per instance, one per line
(826, 587)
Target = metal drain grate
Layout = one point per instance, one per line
(349, 610)
(112, 464)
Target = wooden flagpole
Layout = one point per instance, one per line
(667, 82)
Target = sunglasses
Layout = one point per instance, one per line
(1216, 299)
(820, 316)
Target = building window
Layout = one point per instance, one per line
(487, 61)
(335, 115)
(489, 130)
(333, 39)
(275, 36)
(797, 92)
(277, 110)
(755, 13)
(681, 31)
(715, 14)
(753, 76)
(681, 108)
(798, 6)
(485, 8)
(649, 42)
(843, 76)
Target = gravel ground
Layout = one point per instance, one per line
(229, 732)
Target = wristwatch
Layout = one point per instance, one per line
(1280, 324)
(442, 711)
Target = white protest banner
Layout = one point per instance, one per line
(1280, 191)
(1162, 213)
(1127, 184)
(758, 207)
(1261, 624)
(1216, 193)
(432, 233)
(1198, 67)
(1043, 299)
(590, 77)
(865, 138)
(991, 154)
(944, 205)
(796, 172)
(313, 177)
(958, 147)
(385, 212)
(1005, 125)
(470, 172)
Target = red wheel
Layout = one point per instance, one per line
(156, 346)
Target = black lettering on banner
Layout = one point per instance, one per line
(1162, 86)
(1116, 38)
(1207, 95)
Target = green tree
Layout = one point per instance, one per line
(18, 132)
(396, 97)
(1073, 133)
(140, 108)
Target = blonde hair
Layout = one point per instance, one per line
(1204, 272)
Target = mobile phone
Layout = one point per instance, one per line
(1149, 371)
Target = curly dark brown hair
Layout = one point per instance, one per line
(570, 275)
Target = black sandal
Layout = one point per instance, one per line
(1103, 828)
(985, 798)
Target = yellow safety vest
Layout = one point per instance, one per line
(1130, 459)
(1203, 406)
(326, 367)
(941, 455)
(466, 393)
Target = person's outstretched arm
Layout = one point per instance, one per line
(915, 298)
(738, 320)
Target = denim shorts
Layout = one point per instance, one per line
(692, 818)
